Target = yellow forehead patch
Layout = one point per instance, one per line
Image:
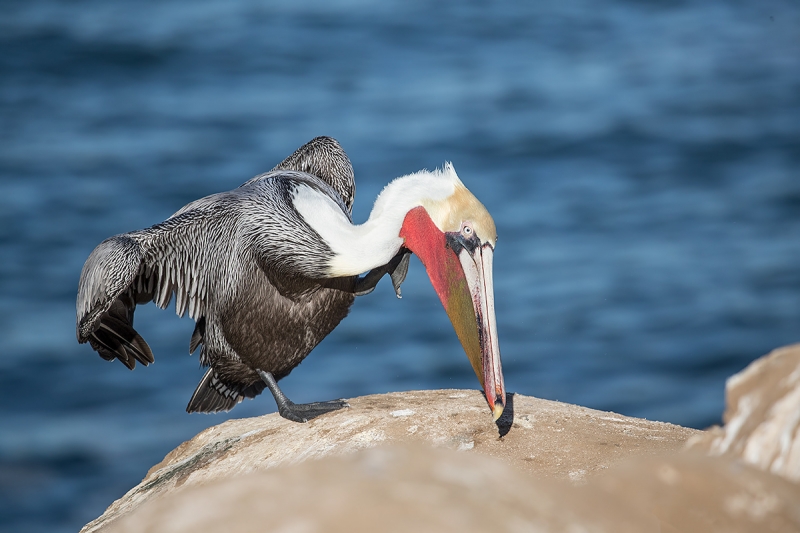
(448, 214)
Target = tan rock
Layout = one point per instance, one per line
(691, 492)
(762, 415)
(415, 488)
(548, 439)
(386, 489)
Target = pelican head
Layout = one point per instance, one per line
(454, 236)
(436, 217)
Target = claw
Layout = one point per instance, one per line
(399, 273)
(397, 269)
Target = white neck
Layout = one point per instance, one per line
(360, 248)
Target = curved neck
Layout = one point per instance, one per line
(360, 248)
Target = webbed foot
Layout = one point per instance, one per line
(397, 269)
(298, 412)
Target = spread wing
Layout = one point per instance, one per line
(178, 257)
(197, 255)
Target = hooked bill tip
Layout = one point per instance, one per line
(497, 410)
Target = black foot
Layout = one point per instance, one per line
(298, 412)
(397, 269)
(303, 412)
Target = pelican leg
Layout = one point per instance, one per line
(397, 269)
(298, 412)
(367, 283)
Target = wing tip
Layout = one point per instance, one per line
(114, 339)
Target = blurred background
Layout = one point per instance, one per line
(641, 161)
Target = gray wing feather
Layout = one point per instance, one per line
(199, 251)
(203, 255)
(107, 273)
(105, 304)
(138, 267)
(280, 240)
(324, 157)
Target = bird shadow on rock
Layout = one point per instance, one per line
(506, 420)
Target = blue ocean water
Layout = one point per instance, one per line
(641, 161)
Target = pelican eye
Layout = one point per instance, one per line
(465, 238)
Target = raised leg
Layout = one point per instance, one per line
(298, 412)
(397, 269)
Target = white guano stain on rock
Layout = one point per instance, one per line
(577, 476)
(524, 421)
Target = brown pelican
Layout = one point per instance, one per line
(267, 270)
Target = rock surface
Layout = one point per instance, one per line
(382, 489)
(415, 488)
(691, 492)
(541, 437)
(545, 466)
(762, 415)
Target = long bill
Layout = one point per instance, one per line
(461, 274)
(478, 332)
